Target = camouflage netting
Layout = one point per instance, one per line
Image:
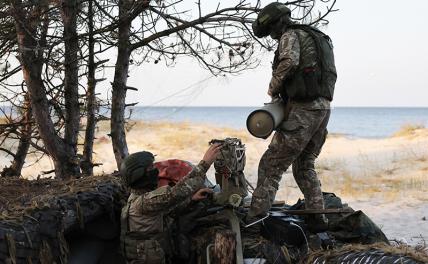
(35, 216)
(352, 238)
(379, 253)
(39, 220)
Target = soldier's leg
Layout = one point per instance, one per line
(307, 180)
(305, 174)
(285, 147)
(274, 162)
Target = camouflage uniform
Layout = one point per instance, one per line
(146, 218)
(301, 137)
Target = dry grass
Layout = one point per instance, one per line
(3, 120)
(18, 195)
(422, 159)
(408, 130)
(182, 140)
(358, 176)
(329, 164)
(178, 138)
(402, 178)
(347, 184)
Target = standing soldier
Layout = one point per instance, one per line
(145, 221)
(304, 77)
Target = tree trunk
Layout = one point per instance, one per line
(71, 85)
(87, 164)
(120, 147)
(24, 143)
(31, 59)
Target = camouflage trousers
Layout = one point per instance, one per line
(298, 143)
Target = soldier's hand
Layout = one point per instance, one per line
(212, 153)
(274, 96)
(201, 194)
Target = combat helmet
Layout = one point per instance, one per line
(134, 167)
(270, 14)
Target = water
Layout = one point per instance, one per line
(361, 122)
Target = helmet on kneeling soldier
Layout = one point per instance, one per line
(138, 172)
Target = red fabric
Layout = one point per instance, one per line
(171, 171)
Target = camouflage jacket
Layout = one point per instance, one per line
(148, 212)
(287, 61)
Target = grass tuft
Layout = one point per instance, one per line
(3, 120)
(365, 175)
(408, 130)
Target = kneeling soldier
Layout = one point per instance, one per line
(145, 220)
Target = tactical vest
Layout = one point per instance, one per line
(316, 74)
(129, 239)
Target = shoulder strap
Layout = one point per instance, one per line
(312, 33)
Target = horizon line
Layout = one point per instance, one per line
(257, 106)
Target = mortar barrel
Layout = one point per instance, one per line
(263, 121)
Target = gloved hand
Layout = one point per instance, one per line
(202, 194)
(212, 153)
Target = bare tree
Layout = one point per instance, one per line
(120, 147)
(57, 43)
(86, 163)
(92, 105)
(219, 37)
(69, 13)
(19, 128)
(219, 40)
(32, 25)
(59, 58)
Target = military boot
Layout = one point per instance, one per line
(317, 223)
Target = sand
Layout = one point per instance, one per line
(386, 178)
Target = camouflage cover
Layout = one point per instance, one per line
(37, 216)
(173, 170)
(38, 219)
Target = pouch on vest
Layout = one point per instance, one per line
(129, 247)
(133, 244)
(149, 251)
(311, 78)
(304, 85)
(129, 241)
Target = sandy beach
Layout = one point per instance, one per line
(386, 178)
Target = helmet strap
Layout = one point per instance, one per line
(149, 181)
(280, 26)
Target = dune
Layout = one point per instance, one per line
(386, 178)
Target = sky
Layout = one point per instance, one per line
(381, 53)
